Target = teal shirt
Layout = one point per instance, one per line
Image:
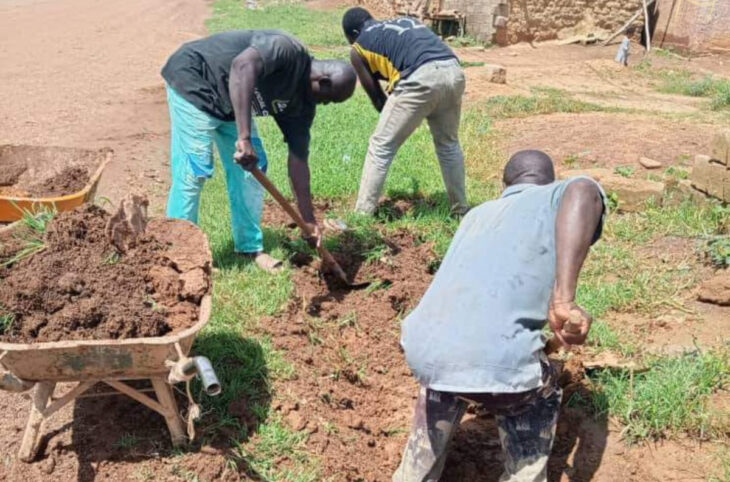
(478, 328)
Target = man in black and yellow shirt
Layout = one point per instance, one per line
(424, 81)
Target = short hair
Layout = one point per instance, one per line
(630, 30)
(529, 166)
(353, 21)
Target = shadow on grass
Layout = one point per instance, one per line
(115, 428)
(400, 204)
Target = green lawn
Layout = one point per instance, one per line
(613, 279)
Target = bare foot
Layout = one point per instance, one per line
(265, 262)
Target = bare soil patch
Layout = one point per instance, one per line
(601, 139)
(79, 287)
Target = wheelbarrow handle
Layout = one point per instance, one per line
(294, 214)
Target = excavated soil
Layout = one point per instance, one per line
(78, 287)
(354, 393)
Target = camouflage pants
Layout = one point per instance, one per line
(526, 423)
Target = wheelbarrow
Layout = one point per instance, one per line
(43, 160)
(162, 360)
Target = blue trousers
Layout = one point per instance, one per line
(193, 133)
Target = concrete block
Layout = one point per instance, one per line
(711, 177)
(721, 147)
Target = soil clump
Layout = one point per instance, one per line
(78, 287)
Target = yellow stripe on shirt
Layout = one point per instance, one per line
(379, 64)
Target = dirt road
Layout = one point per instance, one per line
(85, 73)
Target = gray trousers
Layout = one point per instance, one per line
(433, 92)
(526, 423)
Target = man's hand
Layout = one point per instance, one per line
(569, 322)
(314, 238)
(245, 154)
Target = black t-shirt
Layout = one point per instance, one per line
(199, 72)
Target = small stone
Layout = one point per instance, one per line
(496, 73)
(650, 163)
(48, 465)
(296, 421)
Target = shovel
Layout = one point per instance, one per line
(327, 258)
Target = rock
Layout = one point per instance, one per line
(632, 193)
(716, 290)
(720, 147)
(650, 163)
(678, 191)
(711, 177)
(496, 73)
(128, 223)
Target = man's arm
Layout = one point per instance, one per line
(245, 69)
(368, 81)
(300, 180)
(579, 215)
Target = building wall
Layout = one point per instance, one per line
(698, 25)
(479, 15)
(537, 20)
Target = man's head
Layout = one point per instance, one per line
(332, 81)
(353, 21)
(529, 167)
(630, 31)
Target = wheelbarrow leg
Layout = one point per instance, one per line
(31, 437)
(166, 398)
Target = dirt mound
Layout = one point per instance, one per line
(353, 392)
(80, 287)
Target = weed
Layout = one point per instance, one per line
(571, 161)
(684, 83)
(717, 251)
(669, 398)
(676, 173)
(7, 320)
(127, 441)
(625, 171)
(111, 259)
(466, 64)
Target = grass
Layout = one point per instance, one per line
(683, 82)
(615, 279)
(31, 237)
(670, 398)
(541, 101)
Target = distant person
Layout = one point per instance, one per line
(476, 336)
(424, 81)
(622, 56)
(214, 86)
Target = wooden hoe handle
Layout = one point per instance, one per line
(294, 214)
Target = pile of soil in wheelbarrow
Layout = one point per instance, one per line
(39, 172)
(80, 287)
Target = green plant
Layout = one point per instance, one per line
(625, 171)
(127, 441)
(7, 320)
(676, 173)
(718, 251)
(670, 397)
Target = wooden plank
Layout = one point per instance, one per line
(31, 436)
(167, 399)
(646, 26)
(56, 405)
(141, 398)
